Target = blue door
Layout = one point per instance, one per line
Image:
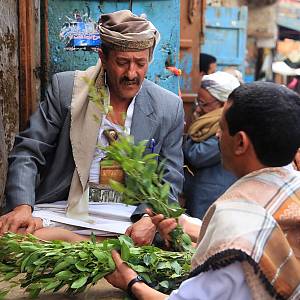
(64, 15)
(225, 35)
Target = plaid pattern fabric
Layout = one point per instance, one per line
(256, 221)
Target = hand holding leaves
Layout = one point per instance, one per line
(145, 183)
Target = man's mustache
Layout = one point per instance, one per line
(128, 81)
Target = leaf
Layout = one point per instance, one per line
(126, 239)
(52, 285)
(33, 293)
(140, 269)
(79, 282)
(93, 238)
(117, 186)
(28, 260)
(99, 276)
(64, 264)
(164, 192)
(164, 284)
(186, 239)
(81, 266)
(83, 254)
(64, 275)
(176, 267)
(10, 275)
(101, 256)
(3, 294)
(125, 252)
(111, 263)
(147, 259)
(163, 265)
(146, 277)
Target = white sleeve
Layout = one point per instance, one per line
(228, 283)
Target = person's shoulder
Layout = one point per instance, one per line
(63, 81)
(62, 84)
(64, 76)
(157, 92)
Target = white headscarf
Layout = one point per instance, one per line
(220, 84)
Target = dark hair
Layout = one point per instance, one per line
(205, 61)
(105, 49)
(270, 115)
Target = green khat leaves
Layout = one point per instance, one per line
(51, 266)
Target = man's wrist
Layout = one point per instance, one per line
(133, 284)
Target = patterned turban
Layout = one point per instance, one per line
(124, 31)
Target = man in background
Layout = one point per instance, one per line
(207, 65)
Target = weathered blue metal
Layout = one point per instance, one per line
(289, 15)
(225, 35)
(164, 14)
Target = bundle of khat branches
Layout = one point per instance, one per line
(50, 266)
(145, 184)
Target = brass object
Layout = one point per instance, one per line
(112, 171)
(109, 170)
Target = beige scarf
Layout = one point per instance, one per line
(84, 132)
(205, 126)
(256, 222)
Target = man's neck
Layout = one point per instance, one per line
(119, 104)
(249, 167)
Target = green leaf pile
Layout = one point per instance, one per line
(145, 183)
(51, 266)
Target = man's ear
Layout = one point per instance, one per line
(241, 143)
(101, 56)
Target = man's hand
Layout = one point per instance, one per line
(19, 220)
(164, 226)
(142, 232)
(122, 274)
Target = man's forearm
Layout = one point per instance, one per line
(144, 292)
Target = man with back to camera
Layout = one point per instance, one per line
(56, 157)
(248, 245)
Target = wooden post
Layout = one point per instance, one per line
(3, 161)
(26, 46)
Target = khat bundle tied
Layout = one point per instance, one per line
(40, 266)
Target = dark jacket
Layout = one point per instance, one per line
(210, 180)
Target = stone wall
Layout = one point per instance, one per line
(9, 86)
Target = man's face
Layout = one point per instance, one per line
(125, 72)
(212, 68)
(226, 142)
(206, 102)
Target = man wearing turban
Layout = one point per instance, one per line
(56, 157)
(205, 178)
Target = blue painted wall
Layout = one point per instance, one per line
(225, 35)
(164, 14)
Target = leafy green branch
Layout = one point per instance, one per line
(145, 184)
(99, 97)
(51, 266)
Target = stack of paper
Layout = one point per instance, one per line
(105, 218)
